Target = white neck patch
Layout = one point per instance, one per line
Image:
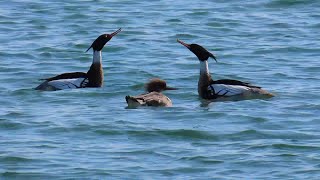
(204, 68)
(97, 58)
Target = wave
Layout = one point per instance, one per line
(288, 3)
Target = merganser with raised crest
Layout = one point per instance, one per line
(210, 89)
(93, 78)
(154, 97)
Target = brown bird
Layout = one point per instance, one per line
(210, 89)
(93, 78)
(154, 97)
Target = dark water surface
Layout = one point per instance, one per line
(90, 134)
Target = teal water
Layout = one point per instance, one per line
(90, 134)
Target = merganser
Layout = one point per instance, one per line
(93, 78)
(154, 97)
(210, 89)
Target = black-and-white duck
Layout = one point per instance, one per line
(154, 97)
(93, 78)
(223, 88)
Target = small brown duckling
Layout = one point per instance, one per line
(154, 97)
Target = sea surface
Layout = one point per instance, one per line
(91, 134)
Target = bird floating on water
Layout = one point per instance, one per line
(223, 88)
(93, 78)
(154, 97)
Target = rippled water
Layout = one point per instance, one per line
(90, 134)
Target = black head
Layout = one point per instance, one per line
(157, 85)
(199, 51)
(98, 44)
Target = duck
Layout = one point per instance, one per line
(91, 79)
(223, 89)
(153, 97)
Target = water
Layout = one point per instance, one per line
(90, 134)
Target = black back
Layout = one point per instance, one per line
(234, 82)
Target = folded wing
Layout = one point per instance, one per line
(64, 81)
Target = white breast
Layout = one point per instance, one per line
(228, 90)
(68, 83)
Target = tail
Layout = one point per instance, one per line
(263, 93)
(269, 95)
(133, 102)
(130, 98)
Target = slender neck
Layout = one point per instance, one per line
(95, 73)
(204, 68)
(97, 58)
(204, 79)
